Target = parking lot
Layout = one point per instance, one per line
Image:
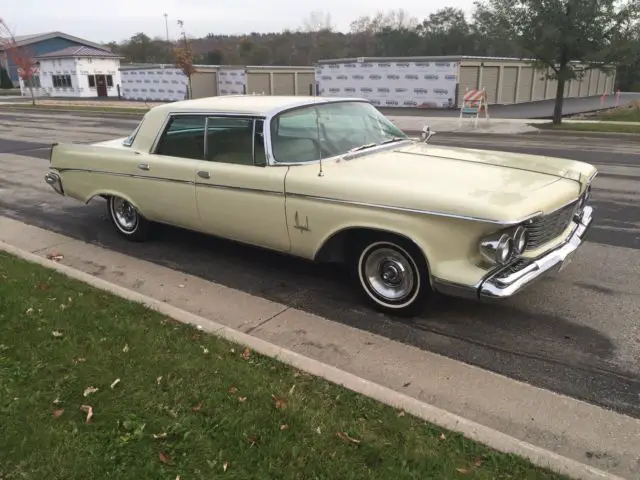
(577, 334)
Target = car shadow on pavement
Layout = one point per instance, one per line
(549, 351)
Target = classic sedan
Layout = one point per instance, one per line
(332, 179)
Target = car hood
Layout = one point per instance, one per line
(481, 184)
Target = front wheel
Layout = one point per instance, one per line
(127, 220)
(393, 275)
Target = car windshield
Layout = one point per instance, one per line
(329, 129)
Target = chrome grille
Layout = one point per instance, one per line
(515, 267)
(544, 229)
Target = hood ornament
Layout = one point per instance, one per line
(426, 134)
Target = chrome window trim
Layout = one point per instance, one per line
(411, 210)
(205, 113)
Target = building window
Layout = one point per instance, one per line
(35, 82)
(92, 81)
(62, 81)
(109, 80)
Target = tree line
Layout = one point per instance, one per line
(583, 30)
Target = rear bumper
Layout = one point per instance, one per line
(509, 281)
(53, 180)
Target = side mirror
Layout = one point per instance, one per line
(426, 134)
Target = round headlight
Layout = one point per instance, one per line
(520, 240)
(504, 250)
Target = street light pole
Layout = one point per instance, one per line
(166, 25)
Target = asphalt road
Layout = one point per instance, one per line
(577, 333)
(532, 110)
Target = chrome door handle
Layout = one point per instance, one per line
(203, 174)
(144, 166)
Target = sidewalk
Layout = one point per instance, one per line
(495, 410)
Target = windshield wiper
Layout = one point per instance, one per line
(362, 147)
(392, 140)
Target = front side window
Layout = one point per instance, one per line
(329, 129)
(92, 81)
(183, 137)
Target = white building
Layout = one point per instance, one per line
(76, 71)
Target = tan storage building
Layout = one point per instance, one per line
(441, 82)
(167, 83)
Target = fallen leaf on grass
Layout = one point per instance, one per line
(292, 389)
(242, 399)
(246, 354)
(126, 348)
(233, 389)
(205, 350)
(284, 426)
(159, 379)
(443, 436)
(89, 390)
(57, 413)
(88, 410)
(56, 401)
(225, 466)
(115, 382)
(43, 286)
(347, 438)
(318, 430)
(197, 407)
(463, 471)
(401, 413)
(252, 440)
(478, 462)
(164, 458)
(279, 403)
(29, 311)
(56, 334)
(79, 360)
(55, 256)
(159, 436)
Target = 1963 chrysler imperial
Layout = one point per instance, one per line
(332, 179)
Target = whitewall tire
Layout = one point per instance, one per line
(393, 275)
(126, 219)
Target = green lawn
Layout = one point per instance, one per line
(9, 92)
(168, 400)
(590, 127)
(622, 115)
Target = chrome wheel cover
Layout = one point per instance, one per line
(124, 214)
(389, 274)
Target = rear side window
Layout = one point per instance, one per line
(183, 137)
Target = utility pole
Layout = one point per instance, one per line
(166, 26)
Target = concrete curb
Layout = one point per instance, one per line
(475, 431)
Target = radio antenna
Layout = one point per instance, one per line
(321, 172)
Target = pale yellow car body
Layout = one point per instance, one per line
(444, 199)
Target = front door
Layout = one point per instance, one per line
(101, 85)
(238, 197)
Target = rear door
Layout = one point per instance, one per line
(167, 190)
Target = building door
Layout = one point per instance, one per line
(101, 85)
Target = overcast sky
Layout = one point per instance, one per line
(119, 19)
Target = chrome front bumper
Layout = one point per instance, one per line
(502, 285)
(53, 180)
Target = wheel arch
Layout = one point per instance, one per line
(335, 248)
(112, 193)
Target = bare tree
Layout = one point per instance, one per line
(20, 56)
(184, 57)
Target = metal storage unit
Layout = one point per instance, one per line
(525, 84)
(509, 85)
(506, 80)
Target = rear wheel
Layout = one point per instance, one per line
(128, 221)
(393, 275)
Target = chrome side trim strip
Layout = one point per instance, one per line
(412, 210)
(242, 189)
(130, 175)
(185, 182)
